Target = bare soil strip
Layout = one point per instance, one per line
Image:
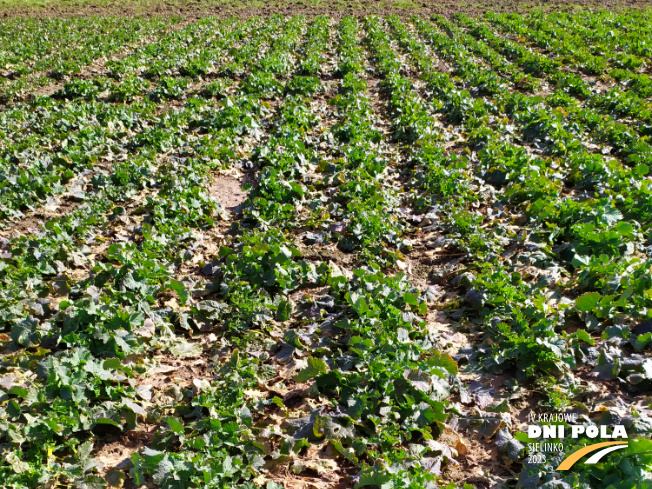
(336, 9)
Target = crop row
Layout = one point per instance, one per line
(35, 51)
(505, 162)
(551, 266)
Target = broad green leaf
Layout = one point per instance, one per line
(181, 290)
(584, 336)
(315, 367)
(410, 298)
(587, 301)
(174, 424)
(107, 421)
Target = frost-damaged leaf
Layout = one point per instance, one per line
(147, 330)
(475, 298)
(144, 392)
(482, 394)
(402, 335)
(201, 384)
(432, 464)
(163, 470)
(508, 445)
(285, 354)
(647, 368)
(323, 467)
(16, 464)
(487, 424)
(426, 383)
(136, 408)
(315, 367)
(303, 427)
(172, 466)
(185, 349)
(24, 333)
(378, 477)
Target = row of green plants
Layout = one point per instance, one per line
(505, 164)
(524, 315)
(373, 394)
(620, 102)
(37, 51)
(80, 335)
(98, 120)
(305, 293)
(606, 117)
(603, 45)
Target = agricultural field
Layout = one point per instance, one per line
(324, 251)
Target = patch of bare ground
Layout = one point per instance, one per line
(477, 460)
(113, 453)
(227, 189)
(599, 393)
(318, 468)
(480, 461)
(327, 253)
(164, 385)
(164, 382)
(445, 332)
(377, 98)
(432, 265)
(33, 221)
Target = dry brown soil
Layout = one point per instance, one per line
(194, 9)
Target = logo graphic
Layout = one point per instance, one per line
(604, 447)
(554, 428)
